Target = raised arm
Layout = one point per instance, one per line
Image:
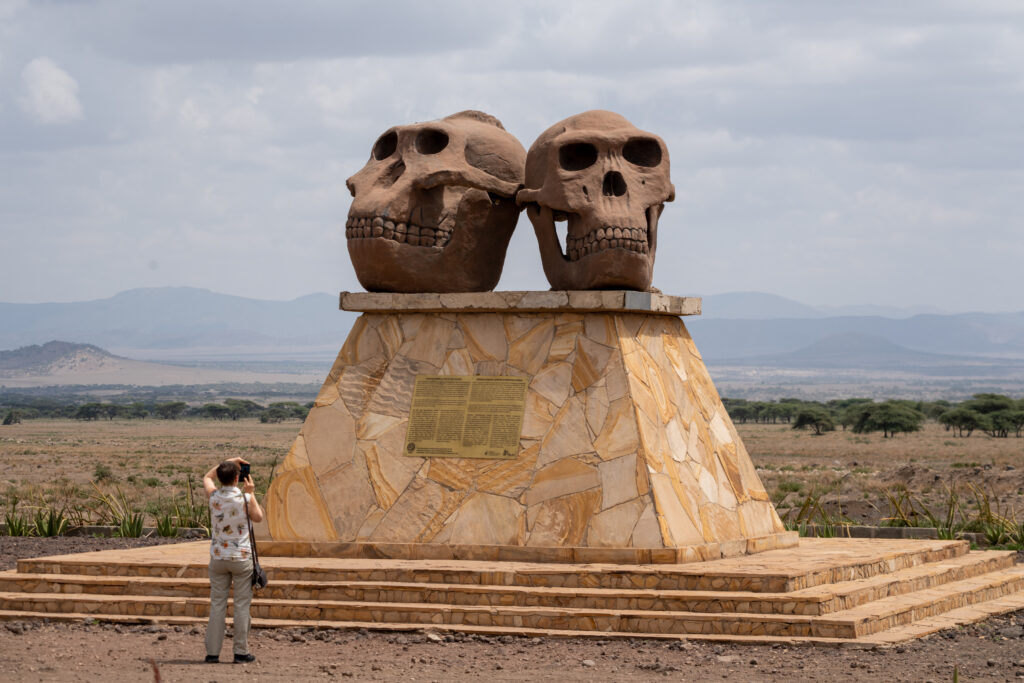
(210, 481)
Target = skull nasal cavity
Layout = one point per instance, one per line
(614, 184)
(431, 141)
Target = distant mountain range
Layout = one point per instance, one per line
(1000, 334)
(739, 330)
(857, 351)
(172, 322)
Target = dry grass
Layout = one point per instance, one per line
(859, 468)
(150, 460)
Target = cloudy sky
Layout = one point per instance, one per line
(832, 152)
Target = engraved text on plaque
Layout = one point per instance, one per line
(466, 416)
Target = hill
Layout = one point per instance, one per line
(68, 364)
(54, 356)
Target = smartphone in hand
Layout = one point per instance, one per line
(244, 473)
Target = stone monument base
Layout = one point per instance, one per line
(831, 592)
(625, 452)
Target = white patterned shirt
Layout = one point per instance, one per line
(229, 530)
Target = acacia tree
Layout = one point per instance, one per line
(238, 407)
(89, 411)
(215, 410)
(1002, 422)
(110, 410)
(170, 411)
(815, 417)
(890, 418)
(963, 421)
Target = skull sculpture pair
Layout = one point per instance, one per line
(434, 208)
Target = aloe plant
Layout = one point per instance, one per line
(165, 526)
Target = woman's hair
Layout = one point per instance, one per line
(228, 471)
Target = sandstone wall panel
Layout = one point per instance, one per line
(625, 442)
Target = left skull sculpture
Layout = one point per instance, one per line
(434, 208)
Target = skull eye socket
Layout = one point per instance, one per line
(431, 141)
(577, 156)
(385, 146)
(642, 152)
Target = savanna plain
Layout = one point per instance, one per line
(849, 477)
(823, 481)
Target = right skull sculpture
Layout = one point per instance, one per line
(610, 181)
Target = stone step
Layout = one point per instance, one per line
(813, 601)
(899, 634)
(865, 619)
(423, 615)
(848, 594)
(953, 618)
(837, 560)
(900, 610)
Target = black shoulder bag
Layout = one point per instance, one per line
(259, 576)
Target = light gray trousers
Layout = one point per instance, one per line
(222, 574)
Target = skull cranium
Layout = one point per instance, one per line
(434, 208)
(610, 181)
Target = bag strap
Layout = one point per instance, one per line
(252, 538)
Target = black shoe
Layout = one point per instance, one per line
(244, 659)
(212, 659)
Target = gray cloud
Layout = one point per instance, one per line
(830, 152)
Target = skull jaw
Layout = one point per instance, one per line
(471, 261)
(613, 268)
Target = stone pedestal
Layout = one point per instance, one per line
(626, 452)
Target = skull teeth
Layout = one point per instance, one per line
(614, 237)
(369, 227)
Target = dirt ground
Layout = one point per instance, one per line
(31, 651)
(13, 549)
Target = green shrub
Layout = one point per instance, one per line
(130, 525)
(102, 472)
(50, 522)
(165, 526)
(17, 525)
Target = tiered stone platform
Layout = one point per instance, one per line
(858, 592)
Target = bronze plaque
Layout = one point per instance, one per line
(466, 416)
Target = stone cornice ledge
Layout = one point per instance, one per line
(606, 301)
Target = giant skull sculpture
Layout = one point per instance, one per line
(610, 180)
(434, 208)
